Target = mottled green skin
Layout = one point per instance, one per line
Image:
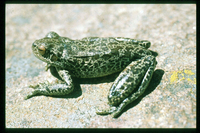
(96, 57)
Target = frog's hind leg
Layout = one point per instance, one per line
(138, 73)
(142, 87)
(53, 90)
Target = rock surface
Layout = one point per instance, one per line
(170, 100)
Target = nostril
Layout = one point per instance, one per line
(147, 44)
(33, 45)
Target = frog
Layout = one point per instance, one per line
(93, 57)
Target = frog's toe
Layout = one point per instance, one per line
(105, 110)
(108, 109)
(115, 114)
(27, 97)
(33, 86)
(34, 93)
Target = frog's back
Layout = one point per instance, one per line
(96, 46)
(97, 57)
(85, 48)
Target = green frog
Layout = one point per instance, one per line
(93, 57)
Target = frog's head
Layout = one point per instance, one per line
(51, 49)
(48, 50)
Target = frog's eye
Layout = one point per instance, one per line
(41, 50)
(52, 35)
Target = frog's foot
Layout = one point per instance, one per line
(37, 89)
(113, 110)
(48, 89)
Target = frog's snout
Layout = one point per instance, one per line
(33, 45)
(146, 44)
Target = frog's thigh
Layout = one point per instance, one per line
(145, 81)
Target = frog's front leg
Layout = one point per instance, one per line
(138, 73)
(54, 90)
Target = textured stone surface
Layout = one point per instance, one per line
(170, 100)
